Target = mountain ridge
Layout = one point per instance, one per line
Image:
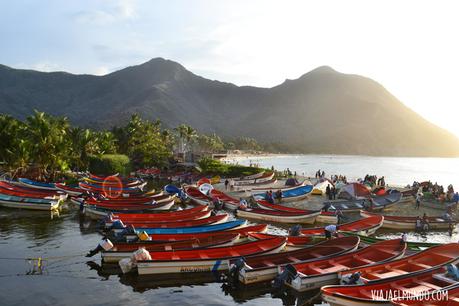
(322, 111)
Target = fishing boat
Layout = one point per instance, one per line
(21, 189)
(281, 188)
(196, 196)
(265, 177)
(365, 226)
(124, 250)
(197, 229)
(202, 260)
(109, 188)
(243, 232)
(262, 268)
(411, 245)
(30, 194)
(328, 217)
(292, 195)
(409, 223)
(315, 274)
(375, 203)
(249, 187)
(37, 185)
(230, 203)
(448, 296)
(97, 212)
(189, 214)
(72, 191)
(425, 260)
(307, 217)
(29, 203)
(293, 242)
(171, 224)
(383, 291)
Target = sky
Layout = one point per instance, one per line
(410, 47)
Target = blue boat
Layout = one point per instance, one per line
(290, 195)
(35, 184)
(197, 229)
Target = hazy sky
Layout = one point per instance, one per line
(411, 47)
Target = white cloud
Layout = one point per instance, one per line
(102, 70)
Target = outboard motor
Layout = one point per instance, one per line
(235, 268)
(353, 279)
(295, 230)
(287, 275)
(117, 224)
(452, 271)
(105, 244)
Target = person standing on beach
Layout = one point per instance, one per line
(328, 192)
(418, 200)
(226, 184)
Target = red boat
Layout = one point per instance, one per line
(293, 242)
(243, 231)
(264, 267)
(428, 259)
(383, 291)
(315, 274)
(366, 226)
(201, 260)
(172, 224)
(230, 202)
(28, 192)
(197, 196)
(166, 215)
(124, 250)
(73, 191)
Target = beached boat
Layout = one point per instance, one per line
(139, 225)
(29, 203)
(323, 217)
(197, 229)
(34, 184)
(243, 231)
(383, 291)
(202, 260)
(281, 188)
(409, 223)
(365, 226)
(109, 188)
(124, 250)
(448, 296)
(72, 191)
(315, 274)
(374, 204)
(230, 203)
(265, 177)
(265, 185)
(262, 268)
(428, 259)
(30, 194)
(411, 245)
(196, 196)
(306, 217)
(291, 195)
(97, 212)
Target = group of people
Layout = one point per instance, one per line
(338, 178)
(374, 180)
(229, 184)
(320, 174)
(273, 197)
(437, 191)
(331, 192)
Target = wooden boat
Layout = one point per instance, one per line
(72, 191)
(250, 177)
(307, 217)
(282, 188)
(425, 260)
(202, 260)
(230, 203)
(161, 217)
(108, 188)
(293, 242)
(366, 226)
(113, 180)
(197, 229)
(250, 187)
(265, 177)
(409, 223)
(196, 196)
(128, 201)
(29, 203)
(37, 185)
(124, 250)
(315, 274)
(262, 268)
(243, 231)
(381, 292)
(20, 190)
(328, 217)
(176, 224)
(411, 245)
(97, 212)
(8, 192)
(441, 297)
(292, 195)
(375, 203)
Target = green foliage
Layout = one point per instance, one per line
(109, 163)
(210, 143)
(244, 143)
(216, 167)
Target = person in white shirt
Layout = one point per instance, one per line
(330, 230)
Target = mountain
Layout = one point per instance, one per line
(323, 111)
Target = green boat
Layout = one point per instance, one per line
(411, 245)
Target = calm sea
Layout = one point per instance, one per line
(396, 170)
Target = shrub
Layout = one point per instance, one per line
(109, 164)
